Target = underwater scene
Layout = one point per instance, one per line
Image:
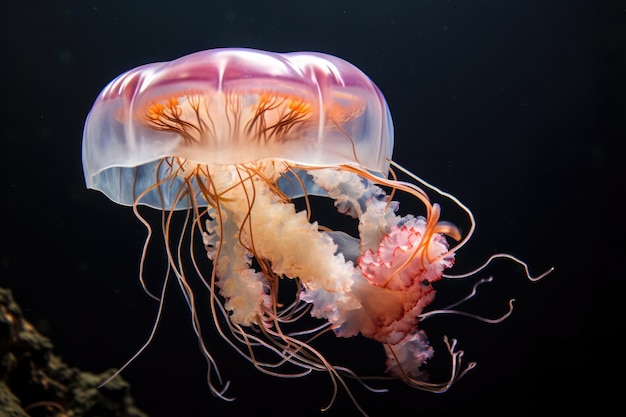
(332, 208)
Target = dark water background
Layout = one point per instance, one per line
(516, 107)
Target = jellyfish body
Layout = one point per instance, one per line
(232, 137)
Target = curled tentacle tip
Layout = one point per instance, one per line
(539, 277)
(449, 229)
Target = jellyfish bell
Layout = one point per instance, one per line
(231, 137)
(234, 106)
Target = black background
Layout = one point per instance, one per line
(516, 107)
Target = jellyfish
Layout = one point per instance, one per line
(231, 139)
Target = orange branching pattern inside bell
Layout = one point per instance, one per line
(163, 114)
(274, 116)
(344, 107)
(261, 117)
(180, 115)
